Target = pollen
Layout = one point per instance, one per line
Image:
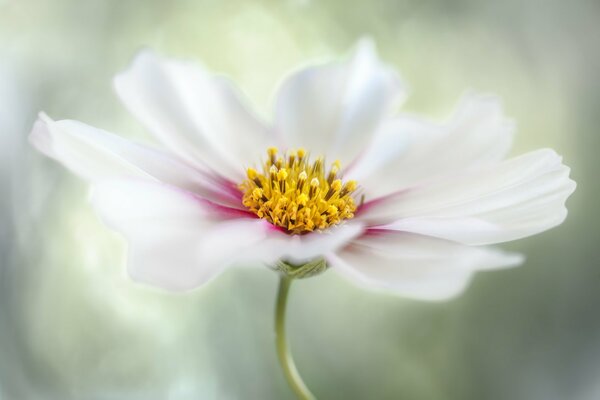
(298, 195)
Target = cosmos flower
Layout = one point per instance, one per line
(389, 200)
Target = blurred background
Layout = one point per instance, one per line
(72, 326)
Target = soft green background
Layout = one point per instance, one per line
(73, 327)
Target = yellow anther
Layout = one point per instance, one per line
(297, 195)
(282, 175)
(252, 174)
(314, 185)
(350, 186)
(336, 185)
(332, 173)
(257, 193)
(280, 162)
(317, 166)
(272, 152)
(302, 199)
(292, 156)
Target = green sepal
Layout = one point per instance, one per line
(311, 268)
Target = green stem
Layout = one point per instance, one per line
(283, 352)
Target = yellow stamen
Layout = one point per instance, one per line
(302, 199)
(252, 174)
(282, 174)
(336, 185)
(272, 152)
(297, 195)
(350, 186)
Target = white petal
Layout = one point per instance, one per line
(507, 201)
(198, 116)
(416, 266)
(303, 248)
(177, 241)
(97, 155)
(408, 149)
(333, 109)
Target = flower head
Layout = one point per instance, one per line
(389, 200)
(297, 195)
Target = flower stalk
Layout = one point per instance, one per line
(283, 351)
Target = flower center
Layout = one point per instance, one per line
(297, 195)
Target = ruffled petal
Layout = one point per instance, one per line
(198, 116)
(333, 109)
(97, 155)
(510, 200)
(178, 241)
(409, 150)
(415, 266)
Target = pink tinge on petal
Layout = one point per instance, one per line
(100, 156)
(228, 192)
(218, 209)
(374, 203)
(177, 239)
(304, 248)
(510, 200)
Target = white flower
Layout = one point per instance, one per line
(410, 207)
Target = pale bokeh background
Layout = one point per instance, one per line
(73, 327)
